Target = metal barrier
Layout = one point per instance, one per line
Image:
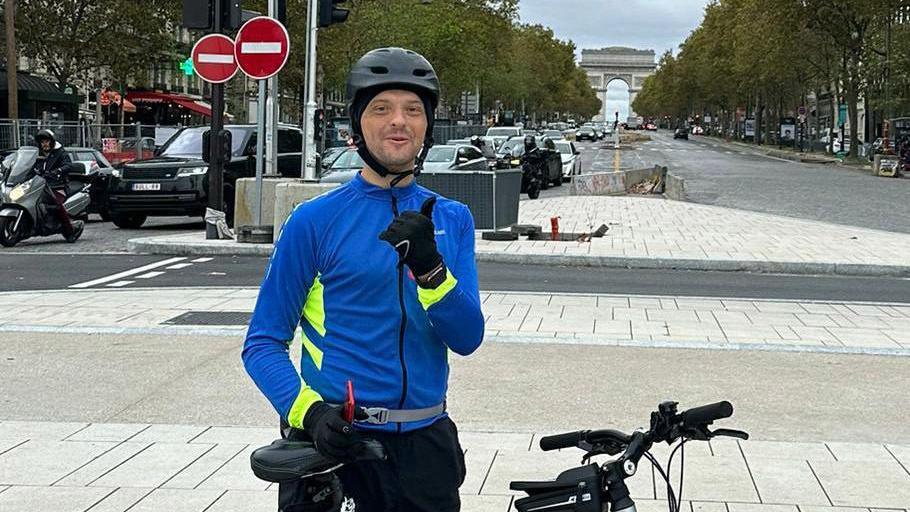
(492, 196)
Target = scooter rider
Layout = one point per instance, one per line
(533, 155)
(380, 276)
(55, 165)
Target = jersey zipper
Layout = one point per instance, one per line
(404, 320)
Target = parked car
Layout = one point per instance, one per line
(94, 163)
(330, 154)
(571, 164)
(586, 133)
(698, 130)
(462, 157)
(651, 127)
(681, 133)
(175, 181)
(344, 168)
(503, 131)
(553, 134)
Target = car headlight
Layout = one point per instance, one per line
(515, 162)
(19, 191)
(117, 173)
(192, 171)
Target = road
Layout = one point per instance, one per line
(56, 271)
(728, 175)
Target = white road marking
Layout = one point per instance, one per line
(150, 275)
(127, 273)
(260, 48)
(200, 260)
(215, 58)
(120, 284)
(179, 266)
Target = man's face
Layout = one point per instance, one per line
(45, 145)
(394, 124)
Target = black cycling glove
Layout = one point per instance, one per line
(412, 234)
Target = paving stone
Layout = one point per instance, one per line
(246, 501)
(786, 450)
(236, 475)
(238, 435)
(121, 499)
(715, 479)
(477, 462)
(854, 452)
(44, 462)
(104, 463)
(177, 500)
(515, 298)
(56, 499)
(786, 481)
(153, 466)
(168, 434)
(38, 430)
(756, 507)
(205, 466)
(113, 432)
(491, 441)
(862, 484)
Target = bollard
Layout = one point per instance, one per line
(554, 228)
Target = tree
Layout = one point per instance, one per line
(73, 39)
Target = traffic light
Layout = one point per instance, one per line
(318, 124)
(329, 14)
(200, 14)
(224, 141)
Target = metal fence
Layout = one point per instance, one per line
(338, 137)
(118, 142)
(492, 196)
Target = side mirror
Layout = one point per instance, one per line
(462, 160)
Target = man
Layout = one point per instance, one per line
(55, 165)
(380, 276)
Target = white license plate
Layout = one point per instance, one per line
(145, 187)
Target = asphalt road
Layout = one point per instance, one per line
(726, 175)
(201, 380)
(55, 271)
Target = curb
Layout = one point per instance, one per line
(153, 246)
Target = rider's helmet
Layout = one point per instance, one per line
(476, 141)
(391, 68)
(530, 142)
(43, 135)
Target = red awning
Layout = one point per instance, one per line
(186, 102)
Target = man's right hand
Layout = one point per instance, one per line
(334, 437)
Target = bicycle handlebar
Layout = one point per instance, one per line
(706, 414)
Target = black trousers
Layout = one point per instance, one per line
(422, 473)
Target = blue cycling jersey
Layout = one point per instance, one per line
(362, 316)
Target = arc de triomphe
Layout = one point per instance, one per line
(616, 62)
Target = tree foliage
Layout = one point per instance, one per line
(769, 55)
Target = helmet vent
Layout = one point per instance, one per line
(421, 72)
(379, 70)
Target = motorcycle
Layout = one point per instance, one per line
(531, 181)
(23, 210)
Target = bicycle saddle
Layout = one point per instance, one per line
(285, 460)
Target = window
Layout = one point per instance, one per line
(472, 153)
(290, 141)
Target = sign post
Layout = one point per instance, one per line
(261, 50)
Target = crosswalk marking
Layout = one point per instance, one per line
(201, 260)
(120, 284)
(150, 275)
(179, 266)
(127, 273)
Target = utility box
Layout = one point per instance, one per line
(886, 165)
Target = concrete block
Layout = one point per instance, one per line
(245, 200)
(289, 194)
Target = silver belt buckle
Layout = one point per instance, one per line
(377, 415)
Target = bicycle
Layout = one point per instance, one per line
(577, 490)
(593, 488)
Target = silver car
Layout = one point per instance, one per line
(456, 157)
(571, 164)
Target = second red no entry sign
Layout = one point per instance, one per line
(262, 47)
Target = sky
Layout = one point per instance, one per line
(659, 25)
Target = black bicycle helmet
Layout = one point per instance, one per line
(530, 142)
(391, 68)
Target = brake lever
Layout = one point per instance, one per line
(727, 432)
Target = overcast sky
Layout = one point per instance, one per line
(659, 25)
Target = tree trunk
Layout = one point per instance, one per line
(853, 114)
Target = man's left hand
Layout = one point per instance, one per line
(412, 234)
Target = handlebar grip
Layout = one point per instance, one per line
(706, 414)
(567, 440)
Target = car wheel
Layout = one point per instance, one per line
(544, 184)
(125, 221)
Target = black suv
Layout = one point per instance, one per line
(175, 181)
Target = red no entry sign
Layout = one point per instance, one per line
(213, 58)
(262, 47)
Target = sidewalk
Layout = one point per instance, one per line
(184, 468)
(587, 319)
(792, 154)
(655, 233)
